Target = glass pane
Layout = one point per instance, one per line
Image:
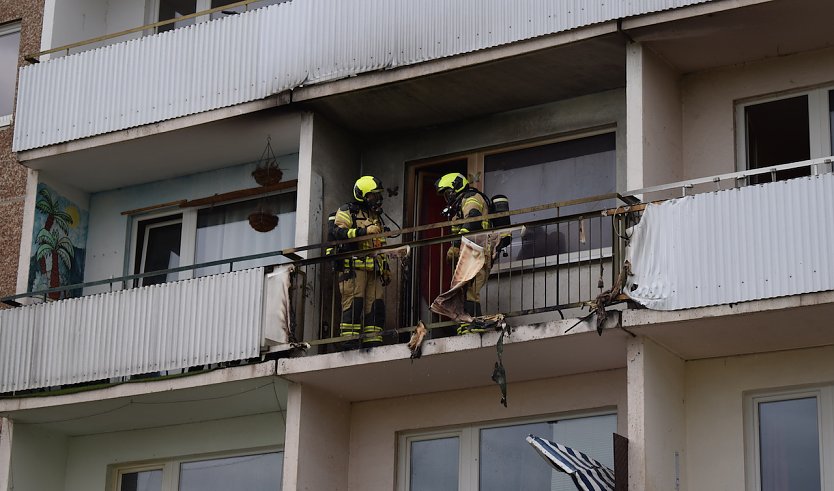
(9, 44)
(142, 481)
(509, 462)
(561, 171)
(162, 251)
(789, 447)
(225, 232)
(778, 133)
(250, 472)
(172, 9)
(434, 465)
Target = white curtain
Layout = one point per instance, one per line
(224, 232)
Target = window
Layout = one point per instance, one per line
(223, 231)
(237, 10)
(259, 471)
(531, 174)
(783, 130)
(560, 171)
(434, 464)
(160, 241)
(497, 457)
(788, 440)
(199, 235)
(9, 53)
(174, 9)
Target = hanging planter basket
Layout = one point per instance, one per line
(262, 221)
(267, 172)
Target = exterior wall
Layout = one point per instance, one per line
(78, 20)
(386, 159)
(39, 459)
(329, 162)
(318, 434)
(107, 249)
(13, 176)
(715, 418)
(374, 424)
(654, 119)
(709, 104)
(656, 412)
(89, 456)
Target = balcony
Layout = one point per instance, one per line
(259, 54)
(235, 316)
(553, 268)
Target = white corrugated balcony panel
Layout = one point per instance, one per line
(175, 325)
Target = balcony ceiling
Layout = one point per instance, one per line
(776, 324)
(733, 36)
(136, 405)
(164, 154)
(530, 353)
(570, 70)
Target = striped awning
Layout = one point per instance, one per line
(587, 473)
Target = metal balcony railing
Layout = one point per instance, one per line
(552, 265)
(564, 256)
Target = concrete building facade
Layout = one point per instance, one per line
(158, 341)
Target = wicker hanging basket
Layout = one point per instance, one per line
(267, 172)
(262, 221)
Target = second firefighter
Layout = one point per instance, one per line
(464, 201)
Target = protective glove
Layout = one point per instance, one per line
(372, 229)
(452, 254)
(385, 277)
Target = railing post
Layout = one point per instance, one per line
(618, 246)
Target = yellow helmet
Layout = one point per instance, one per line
(365, 185)
(454, 181)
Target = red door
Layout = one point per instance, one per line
(434, 271)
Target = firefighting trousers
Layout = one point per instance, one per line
(363, 308)
(472, 304)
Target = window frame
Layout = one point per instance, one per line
(819, 125)
(469, 438)
(824, 396)
(171, 466)
(475, 159)
(5, 30)
(475, 168)
(188, 238)
(146, 237)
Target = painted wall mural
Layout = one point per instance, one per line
(58, 243)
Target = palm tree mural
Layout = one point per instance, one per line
(55, 215)
(60, 249)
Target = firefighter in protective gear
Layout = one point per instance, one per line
(362, 278)
(464, 201)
